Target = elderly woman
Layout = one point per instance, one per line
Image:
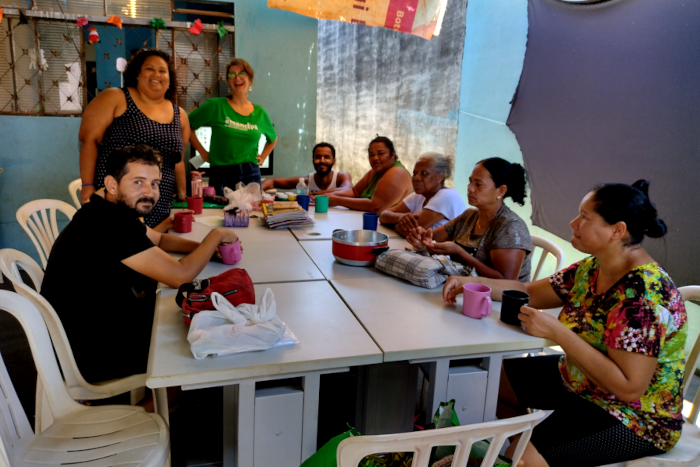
(237, 126)
(617, 391)
(491, 240)
(141, 112)
(432, 204)
(382, 187)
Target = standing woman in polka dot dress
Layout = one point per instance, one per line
(141, 112)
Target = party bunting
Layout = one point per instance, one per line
(158, 23)
(81, 22)
(115, 20)
(197, 27)
(1, 13)
(221, 30)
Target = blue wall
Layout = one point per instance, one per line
(39, 155)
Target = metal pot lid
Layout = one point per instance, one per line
(360, 237)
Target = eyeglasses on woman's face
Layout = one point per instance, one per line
(242, 74)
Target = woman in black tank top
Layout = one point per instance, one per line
(141, 112)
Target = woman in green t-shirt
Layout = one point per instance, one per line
(236, 128)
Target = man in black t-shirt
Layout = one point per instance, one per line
(103, 269)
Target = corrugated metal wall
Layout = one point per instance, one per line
(376, 81)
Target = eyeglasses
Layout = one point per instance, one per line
(242, 74)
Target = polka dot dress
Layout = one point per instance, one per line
(134, 127)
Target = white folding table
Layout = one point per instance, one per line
(331, 340)
(334, 219)
(321, 252)
(413, 324)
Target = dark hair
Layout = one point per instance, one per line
(133, 68)
(119, 158)
(512, 175)
(387, 142)
(617, 202)
(324, 145)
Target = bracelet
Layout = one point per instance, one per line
(88, 184)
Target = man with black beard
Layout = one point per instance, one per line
(324, 180)
(103, 270)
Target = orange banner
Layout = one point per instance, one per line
(418, 17)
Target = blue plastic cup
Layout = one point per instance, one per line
(369, 221)
(303, 201)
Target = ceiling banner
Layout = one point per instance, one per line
(421, 18)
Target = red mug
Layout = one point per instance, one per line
(195, 204)
(183, 222)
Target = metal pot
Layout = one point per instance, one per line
(359, 247)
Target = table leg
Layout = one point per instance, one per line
(311, 384)
(239, 424)
(492, 364)
(160, 401)
(438, 373)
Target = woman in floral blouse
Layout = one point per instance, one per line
(617, 391)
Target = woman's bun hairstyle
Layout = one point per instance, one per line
(617, 202)
(512, 175)
(133, 69)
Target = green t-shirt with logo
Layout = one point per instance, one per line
(234, 138)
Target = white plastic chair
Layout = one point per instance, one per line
(41, 226)
(686, 453)
(80, 435)
(74, 188)
(75, 384)
(548, 248)
(420, 443)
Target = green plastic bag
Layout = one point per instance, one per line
(446, 417)
(326, 456)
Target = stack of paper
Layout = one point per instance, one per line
(285, 213)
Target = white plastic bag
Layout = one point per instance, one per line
(235, 329)
(245, 197)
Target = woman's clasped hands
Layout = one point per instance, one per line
(422, 239)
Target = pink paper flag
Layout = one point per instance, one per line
(81, 21)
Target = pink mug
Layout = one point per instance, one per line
(209, 191)
(477, 301)
(231, 254)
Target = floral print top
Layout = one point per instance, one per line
(643, 312)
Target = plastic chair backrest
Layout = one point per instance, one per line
(548, 247)
(41, 227)
(9, 259)
(16, 431)
(76, 384)
(74, 188)
(352, 450)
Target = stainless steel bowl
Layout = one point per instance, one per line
(360, 237)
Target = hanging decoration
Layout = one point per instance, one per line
(196, 27)
(221, 30)
(121, 68)
(23, 17)
(115, 20)
(1, 14)
(81, 22)
(93, 37)
(417, 17)
(158, 23)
